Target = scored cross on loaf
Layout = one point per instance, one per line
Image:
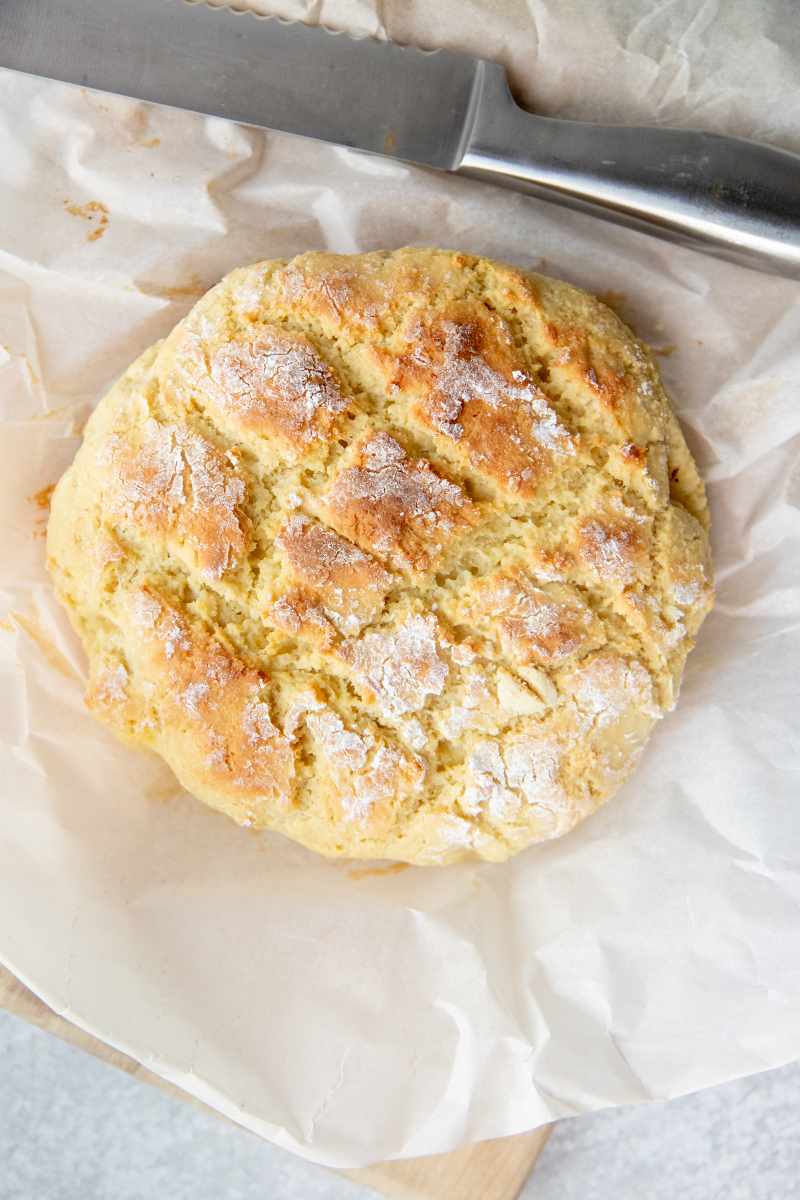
(400, 553)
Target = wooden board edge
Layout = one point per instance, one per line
(491, 1170)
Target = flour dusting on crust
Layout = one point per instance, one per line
(400, 668)
(398, 554)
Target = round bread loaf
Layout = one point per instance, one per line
(400, 554)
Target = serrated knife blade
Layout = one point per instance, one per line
(357, 92)
(733, 198)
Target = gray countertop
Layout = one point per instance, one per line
(72, 1128)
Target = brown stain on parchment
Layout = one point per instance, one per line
(93, 211)
(367, 872)
(51, 652)
(619, 303)
(78, 425)
(613, 299)
(190, 290)
(136, 124)
(163, 791)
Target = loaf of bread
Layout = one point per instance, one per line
(400, 554)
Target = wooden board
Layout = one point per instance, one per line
(494, 1170)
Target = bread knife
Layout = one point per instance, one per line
(733, 198)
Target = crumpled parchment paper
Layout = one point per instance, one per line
(353, 1016)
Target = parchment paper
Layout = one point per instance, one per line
(355, 1017)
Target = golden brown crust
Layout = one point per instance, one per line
(265, 383)
(396, 506)
(544, 624)
(400, 554)
(277, 384)
(469, 387)
(210, 708)
(174, 486)
(331, 573)
(614, 547)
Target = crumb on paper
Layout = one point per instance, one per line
(93, 211)
(663, 351)
(41, 500)
(43, 497)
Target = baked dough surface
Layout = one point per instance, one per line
(400, 554)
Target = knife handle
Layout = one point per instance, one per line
(732, 198)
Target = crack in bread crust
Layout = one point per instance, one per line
(422, 546)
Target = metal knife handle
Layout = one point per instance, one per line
(732, 198)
